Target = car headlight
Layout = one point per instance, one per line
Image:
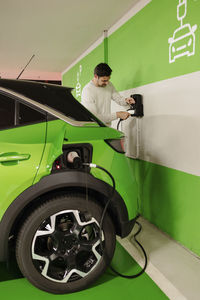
(116, 144)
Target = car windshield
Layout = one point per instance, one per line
(57, 97)
(181, 32)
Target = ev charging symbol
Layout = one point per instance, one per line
(183, 40)
(78, 85)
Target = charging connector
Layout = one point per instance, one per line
(74, 159)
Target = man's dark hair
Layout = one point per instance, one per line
(102, 69)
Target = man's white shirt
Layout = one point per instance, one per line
(98, 100)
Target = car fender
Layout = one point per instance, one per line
(60, 181)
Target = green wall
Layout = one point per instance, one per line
(170, 200)
(88, 62)
(138, 53)
(138, 50)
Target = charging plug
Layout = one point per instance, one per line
(74, 159)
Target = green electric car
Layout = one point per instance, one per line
(53, 195)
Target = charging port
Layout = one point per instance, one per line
(73, 157)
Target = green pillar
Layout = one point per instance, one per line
(105, 46)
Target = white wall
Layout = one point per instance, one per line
(169, 132)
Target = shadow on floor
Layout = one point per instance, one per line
(122, 262)
(108, 286)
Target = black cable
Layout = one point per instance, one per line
(120, 120)
(108, 202)
(145, 256)
(118, 123)
(113, 191)
(101, 223)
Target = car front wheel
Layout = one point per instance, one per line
(60, 247)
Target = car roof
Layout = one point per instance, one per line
(22, 86)
(56, 97)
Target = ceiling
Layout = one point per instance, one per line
(56, 32)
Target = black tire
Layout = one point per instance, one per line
(66, 247)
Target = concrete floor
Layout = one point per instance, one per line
(173, 268)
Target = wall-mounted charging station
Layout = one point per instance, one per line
(131, 126)
(137, 107)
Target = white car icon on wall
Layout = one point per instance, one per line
(182, 43)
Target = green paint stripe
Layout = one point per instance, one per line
(170, 199)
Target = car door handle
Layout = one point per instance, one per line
(11, 156)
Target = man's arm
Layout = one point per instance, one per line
(120, 99)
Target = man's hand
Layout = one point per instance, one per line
(123, 115)
(130, 100)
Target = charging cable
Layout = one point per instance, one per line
(119, 123)
(131, 115)
(145, 257)
(108, 202)
(101, 225)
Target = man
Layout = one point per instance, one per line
(98, 93)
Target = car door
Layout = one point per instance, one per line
(22, 142)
